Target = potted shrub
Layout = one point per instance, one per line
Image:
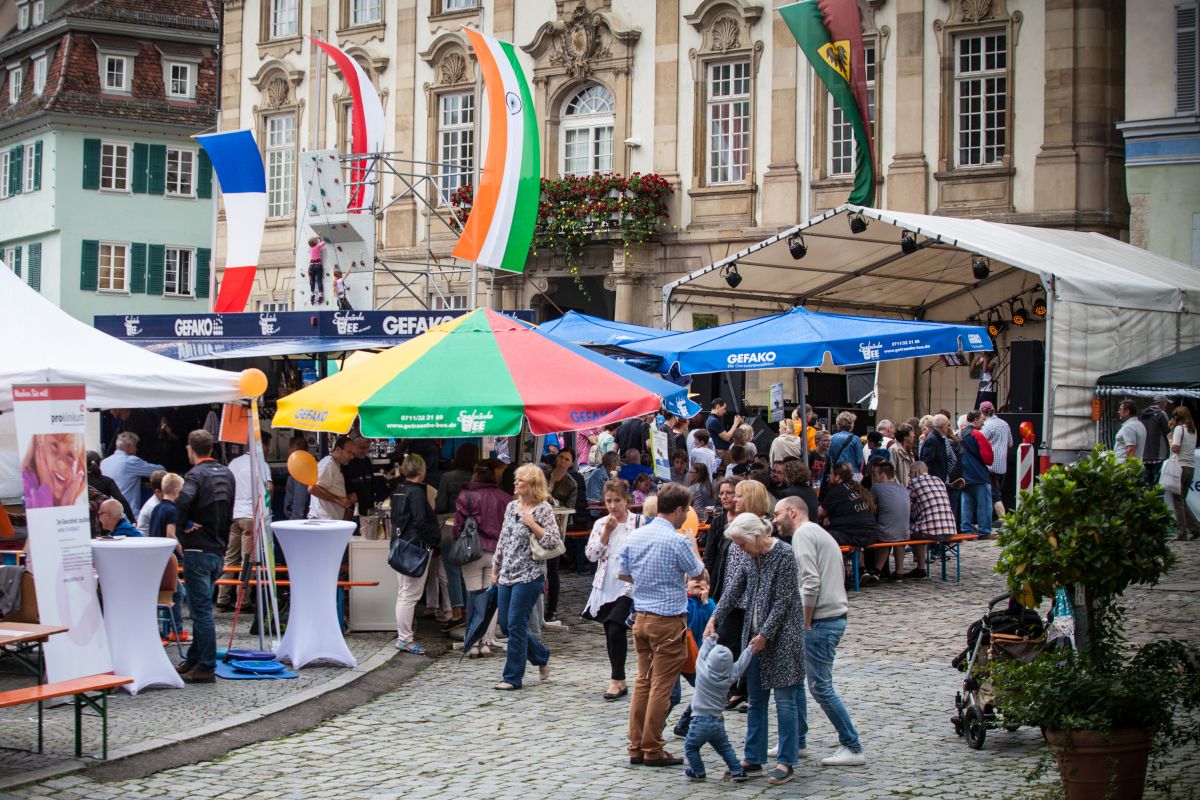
(1105, 707)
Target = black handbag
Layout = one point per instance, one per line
(466, 546)
(407, 556)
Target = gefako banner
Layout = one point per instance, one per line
(50, 422)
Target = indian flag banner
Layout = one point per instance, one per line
(499, 230)
(830, 34)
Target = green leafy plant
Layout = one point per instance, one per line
(1096, 527)
(576, 210)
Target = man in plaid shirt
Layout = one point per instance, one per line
(932, 514)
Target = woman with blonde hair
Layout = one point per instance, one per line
(413, 519)
(520, 577)
(1183, 448)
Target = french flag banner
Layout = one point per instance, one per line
(366, 125)
(239, 168)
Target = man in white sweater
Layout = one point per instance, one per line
(822, 587)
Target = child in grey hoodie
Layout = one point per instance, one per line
(715, 672)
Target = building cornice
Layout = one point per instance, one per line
(57, 28)
(54, 121)
(1160, 127)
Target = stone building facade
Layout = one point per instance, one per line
(1004, 109)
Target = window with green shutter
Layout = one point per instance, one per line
(141, 158)
(137, 260)
(14, 260)
(155, 259)
(16, 161)
(37, 165)
(35, 266)
(157, 170)
(204, 176)
(89, 265)
(203, 267)
(91, 163)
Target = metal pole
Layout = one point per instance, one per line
(320, 98)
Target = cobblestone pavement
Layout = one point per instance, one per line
(157, 715)
(446, 733)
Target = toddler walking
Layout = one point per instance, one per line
(316, 271)
(715, 672)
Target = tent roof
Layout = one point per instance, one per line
(582, 329)
(44, 344)
(1179, 373)
(869, 272)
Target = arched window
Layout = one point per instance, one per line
(587, 132)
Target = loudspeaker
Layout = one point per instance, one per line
(1026, 377)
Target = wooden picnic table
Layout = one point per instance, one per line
(18, 639)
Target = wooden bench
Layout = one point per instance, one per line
(940, 549)
(285, 582)
(82, 690)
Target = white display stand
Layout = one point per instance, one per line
(130, 572)
(313, 549)
(372, 608)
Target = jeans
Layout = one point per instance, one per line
(976, 508)
(200, 572)
(515, 604)
(316, 279)
(786, 715)
(709, 730)
(454, 581)
(820, 646)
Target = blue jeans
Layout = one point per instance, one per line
(977, 508)
(200, 572)
(820, 646)
(454, 583)
(709, 730)
(515, 604)
(786, 714)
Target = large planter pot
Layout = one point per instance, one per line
(1092, 763)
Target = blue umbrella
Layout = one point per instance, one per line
(585, 330)
(800, 338)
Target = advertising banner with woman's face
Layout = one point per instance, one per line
(50, 422)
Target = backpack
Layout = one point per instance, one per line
(986, 454)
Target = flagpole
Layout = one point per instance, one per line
(807, 134)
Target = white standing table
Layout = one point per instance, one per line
(130, 572)
(313, 549)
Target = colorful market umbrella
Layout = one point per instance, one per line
(479, 375)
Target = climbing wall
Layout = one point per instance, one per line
(349, 238)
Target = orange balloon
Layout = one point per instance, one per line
(303, 467)
(253, 382)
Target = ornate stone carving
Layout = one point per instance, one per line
(277, 92)
(577, 42)
(976, 10)
(724, 35)
(452, 70)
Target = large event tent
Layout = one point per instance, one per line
(1110, 305)
(44, 344)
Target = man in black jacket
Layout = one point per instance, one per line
(206, 502)
(933, 450)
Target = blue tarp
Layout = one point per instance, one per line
(584, 330)
(800, 338)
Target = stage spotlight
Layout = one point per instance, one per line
(908, 243)
(732, 276)
(797, 247)
(1039, 306)
(995, 326)
(857, 224)
(980, 268)
(1019, 315)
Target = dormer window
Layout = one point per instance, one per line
(115, 73)
(39, 75)
(16, 76)
(180, 80)
(22, 18)
(39, 12)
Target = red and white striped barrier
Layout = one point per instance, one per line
(1025, 472)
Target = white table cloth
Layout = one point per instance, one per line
(130, 572)
(313, 549)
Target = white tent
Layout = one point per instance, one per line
(43, 344)
(1110, 305)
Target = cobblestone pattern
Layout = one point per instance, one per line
(157, 712)
(446, 733)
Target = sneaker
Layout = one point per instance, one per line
(895, 577)
(802, 752)
(845, 757)
(552, 621)
(869, 578)
(773, 752)
(668, 735)
(182, 636)
(692, 775)
(914, 574)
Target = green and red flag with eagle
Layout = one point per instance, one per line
(830, 34)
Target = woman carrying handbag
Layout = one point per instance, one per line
(528, 536)
(1183, 461)
(414, 528)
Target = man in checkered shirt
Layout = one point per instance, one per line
(656, 559)
(932, 515)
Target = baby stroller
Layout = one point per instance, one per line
(1014, 634)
